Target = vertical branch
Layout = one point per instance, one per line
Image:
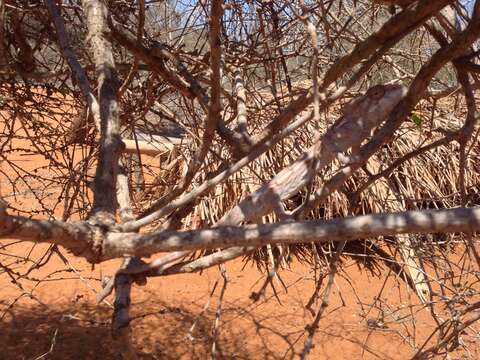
(110, 143)
(241, 118)
(218, 312)
(25, 58)
(268, 64)
(278, 46)
(122, 283)
(465, 137)
(134, 67)
(75, 66)
(312, 31)
(467, 130)
(214, 109)
(215, 63)
(308, 344)
(3, 53)
(121, 330)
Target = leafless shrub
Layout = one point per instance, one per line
(215, 130)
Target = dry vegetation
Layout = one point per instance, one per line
(280, 131)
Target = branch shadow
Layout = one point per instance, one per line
(82, 331)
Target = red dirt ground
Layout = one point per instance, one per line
(64, 313)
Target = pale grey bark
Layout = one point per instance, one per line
(81, 238)
(359, 227)
(105, 203)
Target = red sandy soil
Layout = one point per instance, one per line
(168, 321)
(64, 313)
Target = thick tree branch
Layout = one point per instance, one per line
(105, 202)
(366, 226)
(80, 238)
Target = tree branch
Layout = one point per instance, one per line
(352, 228)
(105, 203)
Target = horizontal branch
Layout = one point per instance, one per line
(78, 237)
(89, 241)
(351, 228)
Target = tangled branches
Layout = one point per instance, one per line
(171, 125)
